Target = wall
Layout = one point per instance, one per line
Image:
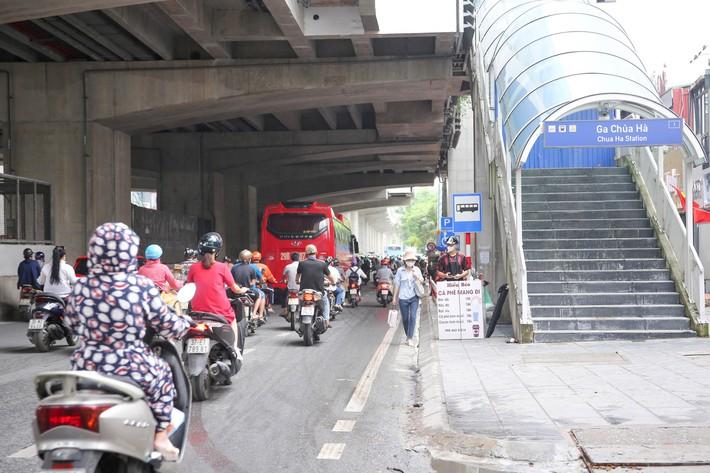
(10, 257)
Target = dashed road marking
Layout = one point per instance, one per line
(249, 350)
(285, 334)
(344, 426)
(331, 451)
(27, 452)
(362, 390)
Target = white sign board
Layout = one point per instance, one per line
(460, 309)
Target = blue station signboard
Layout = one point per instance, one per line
(613, 133)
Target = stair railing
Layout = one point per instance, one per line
(684, 263)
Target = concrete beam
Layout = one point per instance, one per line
(374, 204)
(172, 98)
(356, 115)
(27, 41)
(363, 46)
(245, 25)
(356, 198)
(409, 120)
(102, 40)
(330, 117)
(50, 27)
(291, 120)
(368, 13)
(195, 18)
(256, 122)
(138, 22)
(289, 16)
(20, 10)
(444, 44)
(19, 50)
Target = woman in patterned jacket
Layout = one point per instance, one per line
(110, 310)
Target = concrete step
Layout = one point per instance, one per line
(582, 205)
(583, 214)
(598, 253)
(617, 275)
(587, 224)
(576, 171)
(613, 324)
(577, 179)
(594, 265)
(572, 189)
(605, 233)
(552, 244)
(591, 298)
(559, 196)
(597, 335)
(616, 287)
(630, 310)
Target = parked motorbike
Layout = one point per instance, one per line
(26, 302)
(353, 293)
(311, 323)
(293, 304)
(91, 423)
(46, 325)
(384, 293)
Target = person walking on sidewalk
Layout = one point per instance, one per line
(405, 294)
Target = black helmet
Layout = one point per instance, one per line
(329, 260)
(27, 253)
(190, 253)
(39, 256)
(210, 243)
(452, 240)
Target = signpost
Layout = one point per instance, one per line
(447, 224)
(443, 236)
(613, 133)
(460, 309)
(468, 213)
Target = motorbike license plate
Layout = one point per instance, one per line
(353, 292)
(293, 301)
(308, 310)
(384, 292)
(36, 324)
(198, 345)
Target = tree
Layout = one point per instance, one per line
(418, 221)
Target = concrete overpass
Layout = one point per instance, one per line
(223, 106)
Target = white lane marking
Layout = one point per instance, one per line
(7, 323)
(344, 426)
(362, 390)
(285, 334)
(331, 451)
(249, 350)
(27, 452)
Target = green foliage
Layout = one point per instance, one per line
(418, 221)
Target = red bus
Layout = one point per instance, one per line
(287, 227)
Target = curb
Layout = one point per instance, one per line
(457, 452)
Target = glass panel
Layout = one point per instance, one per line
(145, 199)
(8, 209)
(291, 226)
(27, 211)
(498, 18)
(44, 221)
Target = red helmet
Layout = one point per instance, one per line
(255, 256)
(385, 261)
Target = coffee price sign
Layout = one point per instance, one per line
(460, 309)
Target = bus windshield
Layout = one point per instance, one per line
(293, 225)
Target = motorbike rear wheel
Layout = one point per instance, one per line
(71, 340)
(308, 335)
(41, 341)
(292, 315)
(114, 464)
(201, 385)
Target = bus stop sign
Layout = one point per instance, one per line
(468, 213)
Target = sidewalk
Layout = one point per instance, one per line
(626, 404)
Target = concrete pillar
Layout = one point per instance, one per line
(240, 220)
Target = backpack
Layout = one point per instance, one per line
(353, 275)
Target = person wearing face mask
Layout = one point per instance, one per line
(405, 294)
(452, 265)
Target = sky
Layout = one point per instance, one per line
(669, 32)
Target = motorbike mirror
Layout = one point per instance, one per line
(186, 293)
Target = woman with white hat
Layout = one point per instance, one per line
(406, 293)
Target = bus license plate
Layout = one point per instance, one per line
(36, 324)
(308, 310)
(293, 301)
(385, 292)
(198, 345)
(353, 292)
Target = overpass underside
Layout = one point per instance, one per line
(221, 107)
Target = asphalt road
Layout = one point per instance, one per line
(281, 410)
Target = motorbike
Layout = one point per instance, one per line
(330, 292)
(89, 422)
(353, 293)
(293, 303)
(46, 324)
(311, 323)
(384, 293)
(245, 309)
(27, 293)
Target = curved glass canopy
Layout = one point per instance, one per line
(543, 55)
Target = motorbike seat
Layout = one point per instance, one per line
(45, 297)
(93, 385)
(209, 316)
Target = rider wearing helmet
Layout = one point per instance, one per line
(156, 271)
(39, 256)
(247, 275)
(384, 274)
(310, 274)
(180, 270)
(267, 277)
(28, 270)
(452, 265)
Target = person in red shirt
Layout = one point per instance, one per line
(156, 271)
(211, 279)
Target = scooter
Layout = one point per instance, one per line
(91, 423)
(330, 292)
(311, 323)
(293, 304)
(26, 302)
(353, 293)
(46, 325)
(384, 293)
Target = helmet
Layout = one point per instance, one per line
(190, 253)
(210, 243)
(336, 262)
(255, 256)
(153, 252)
(452, 240)
(329, 260)
(385, 261)
(311, 250)
(39, 256)
(27, 253)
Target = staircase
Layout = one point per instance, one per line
(595, 269)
